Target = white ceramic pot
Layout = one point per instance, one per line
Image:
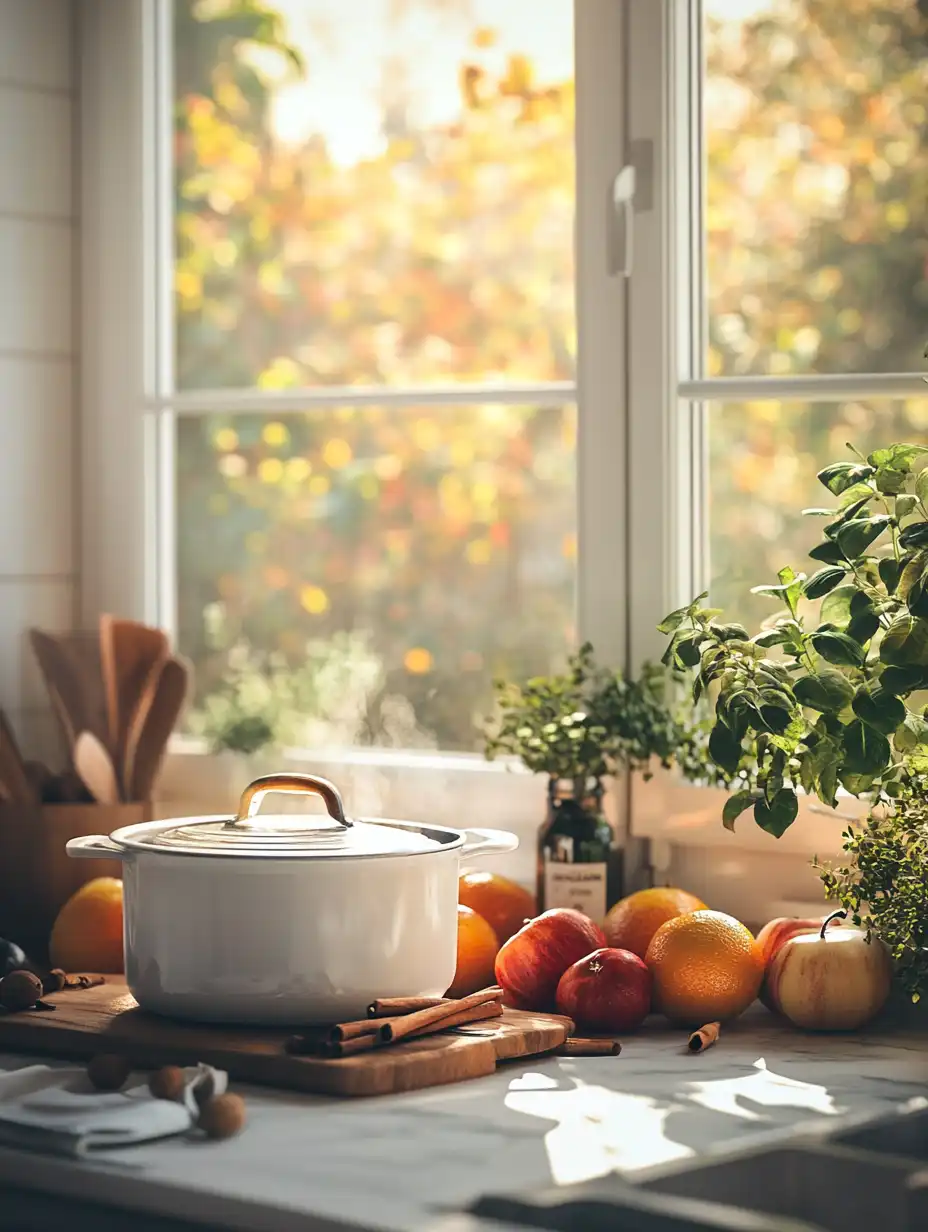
(278, 919)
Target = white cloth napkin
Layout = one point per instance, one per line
(58, 1111)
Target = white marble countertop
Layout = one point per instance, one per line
(402, 1162)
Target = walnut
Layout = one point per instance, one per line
(20, 990)
(223, 1116)
(108, 1071)
(167, 1082)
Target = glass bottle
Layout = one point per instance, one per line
(579, 862)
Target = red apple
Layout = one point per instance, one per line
(775, 934)
(532, 961)
(609, 990)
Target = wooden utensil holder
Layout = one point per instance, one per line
(36, 875)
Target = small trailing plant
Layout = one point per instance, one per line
(589, 721)
(831, 709)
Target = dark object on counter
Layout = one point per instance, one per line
(20, 990)
(12, 957)
(108, 1072)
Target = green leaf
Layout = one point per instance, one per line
(912, 570)
(837, 648)
(905, 642)
(921, 486)
(724, 748)
(836, 607)
(863, 627)
(673, 621)
(828, 691)
(840, 475)
(729, 632)
(857, 494)
(777, 817)
(687, 651)
(818, 513)
(735, 806)
(775, 718)
(917, 598)
(911, 732)
(903, 680)
(904, 505)
(823, 581)
(855, 537)
(866, 751)
(879, 709)
(829, 552)
(915, 535)
(889, 480)
(890, 573)
(899, 456)
(772, 637)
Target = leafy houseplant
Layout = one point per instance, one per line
(830, 700)
(590, 722)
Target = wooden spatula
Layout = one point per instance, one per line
(138, 721)
(12, 767)
(95, 767)
(128, 652)
(166, 707)
(70, 687)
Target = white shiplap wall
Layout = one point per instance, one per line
(38, 437)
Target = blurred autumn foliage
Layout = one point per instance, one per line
(816, 258)
(443, 534)
(440, 540)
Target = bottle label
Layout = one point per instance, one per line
(581, 886)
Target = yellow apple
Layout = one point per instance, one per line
(832, 980)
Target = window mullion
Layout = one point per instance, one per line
(267, 401)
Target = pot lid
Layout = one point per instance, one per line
(253, 834)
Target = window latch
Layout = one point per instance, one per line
(622, 223)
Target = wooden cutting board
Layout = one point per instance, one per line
(107, 1019)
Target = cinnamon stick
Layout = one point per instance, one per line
(398, 1028)
(317, 1045)
(477, 1013)
(389, 1007)
(578, 1047)
(704, 1038)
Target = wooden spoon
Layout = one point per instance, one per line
(137, 723)
(128, 652)
(165, 710)
(95, 767)
(69, 686)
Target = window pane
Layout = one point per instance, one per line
(817, 185)
(381, 566)
(764, 457)
(371, 192)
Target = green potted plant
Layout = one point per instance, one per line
(828, 698)
(577, 728)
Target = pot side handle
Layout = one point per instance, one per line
(94, 847)
(478, 842)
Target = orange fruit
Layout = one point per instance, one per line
(87, 935)
(634, 920)
(503, 904)
(706, 967)
(477, 950)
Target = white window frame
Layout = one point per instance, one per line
(129, 406)
(641, 446)
(667, 394)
